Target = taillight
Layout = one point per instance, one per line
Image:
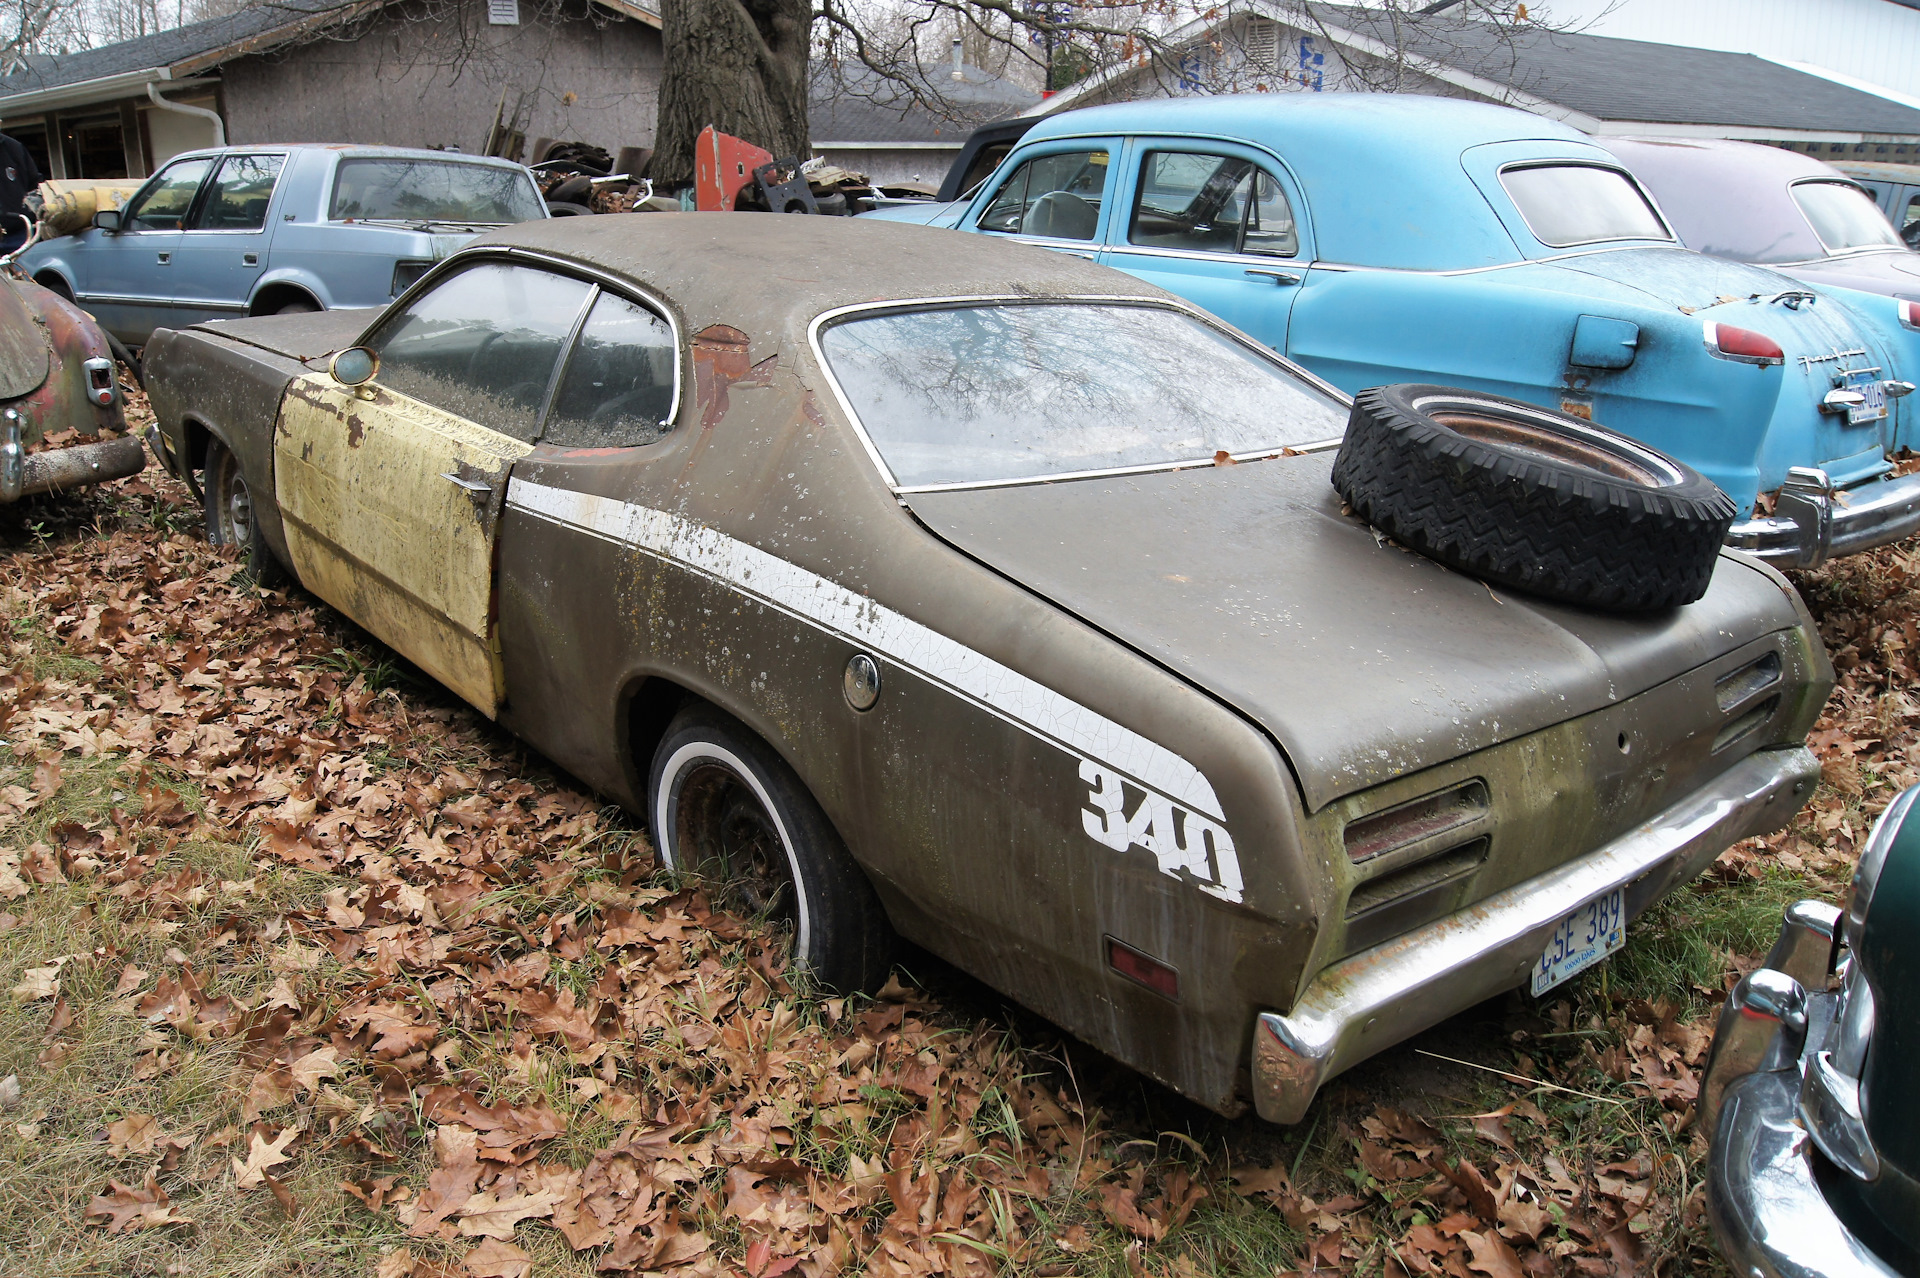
(1143, 968)
(1743, 344)
(1910, 314)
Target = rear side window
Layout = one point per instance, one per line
(1568, 204)
(1057, 196)
(1214, 203)
(618, 386)
(407, 190)
(163, 206)
(483, 344)
(241, 191)
(1844, 217)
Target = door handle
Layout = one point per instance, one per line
(1280, 278)
(470, 485)
(165, 258)
(249, 259)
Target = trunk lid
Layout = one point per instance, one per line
(301, 337)
(1362, 660)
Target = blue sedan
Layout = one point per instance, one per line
(1387, 238)
(264, 230)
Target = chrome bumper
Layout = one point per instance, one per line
(1372, 1000)
(1813, 522)
(24, 473)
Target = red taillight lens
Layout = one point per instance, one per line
(1910, 314)
(1729, 342)
(1143, 968)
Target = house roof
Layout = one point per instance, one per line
(1594, 82)
(1640, 81)
(855, 105)
(203, 46)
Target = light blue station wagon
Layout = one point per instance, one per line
(1381, 238)
(261, 230)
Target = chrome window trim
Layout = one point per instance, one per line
(1202, 255)
(1646, 197)
(831, 317)
(602, 280)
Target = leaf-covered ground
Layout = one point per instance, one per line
(304, 969)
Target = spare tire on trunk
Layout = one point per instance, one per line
(1532, 499)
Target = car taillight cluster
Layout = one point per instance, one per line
(1910, 314)
(1742, 344)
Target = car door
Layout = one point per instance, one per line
(391, 492)
(223, 249)
(129, 279)
(1056, 195)
(1214, 223)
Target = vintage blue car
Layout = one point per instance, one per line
(1381, 238)
(263, 230)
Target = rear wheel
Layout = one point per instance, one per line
(723, 805)
(298, 306)
(231, 518)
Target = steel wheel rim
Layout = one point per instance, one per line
(238, 504)
(722, 830)
(1550, 437)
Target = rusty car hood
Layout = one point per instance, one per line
(23, 347)
(296, 336)
(1364, 661)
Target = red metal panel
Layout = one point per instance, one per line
(722, 165)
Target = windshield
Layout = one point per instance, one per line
(1845, 217)
(1568, 204)
(986, 394)
(433, 191)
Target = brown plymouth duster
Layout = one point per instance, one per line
(903, 580)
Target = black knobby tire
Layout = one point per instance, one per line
(722, 804)
(232, 520)
(1533, 499)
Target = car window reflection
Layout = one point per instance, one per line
(483, 344)
(996, 393)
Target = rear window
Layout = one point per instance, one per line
(402, 190)
(1568, 204)
(1844, 217)
(991, 394)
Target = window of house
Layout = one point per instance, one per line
(241, 191)
(618, 386)
(483, 344)
(1216, 203)
(1056, 195)
(163, 204)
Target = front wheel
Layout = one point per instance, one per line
(299, 306)
(231, 520)
(725, 806)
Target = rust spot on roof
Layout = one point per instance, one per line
(720, 361)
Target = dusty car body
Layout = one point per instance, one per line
(1793, 214)
(1173, 752)
(1809, 1095)
(257, 230)
(57, 375)
(1383, 238)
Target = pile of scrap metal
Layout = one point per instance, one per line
(731, 175)
(62, 423)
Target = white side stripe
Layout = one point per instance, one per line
(793, 589)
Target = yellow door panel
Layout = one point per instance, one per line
(391, 507)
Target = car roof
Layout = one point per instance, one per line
(1383, 172)
(769, 275)
(1730, 199)
(350, 150)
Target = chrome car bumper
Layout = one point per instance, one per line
(1769, 1098)
(1813, 522)
(1374, 999)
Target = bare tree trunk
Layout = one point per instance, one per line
(739, 65)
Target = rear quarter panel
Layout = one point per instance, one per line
(198, 382)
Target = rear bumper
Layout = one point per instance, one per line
(1374, 999)
(1814, 522)
(24, 473)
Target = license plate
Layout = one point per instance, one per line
(1875, 407)
(1583, 938)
